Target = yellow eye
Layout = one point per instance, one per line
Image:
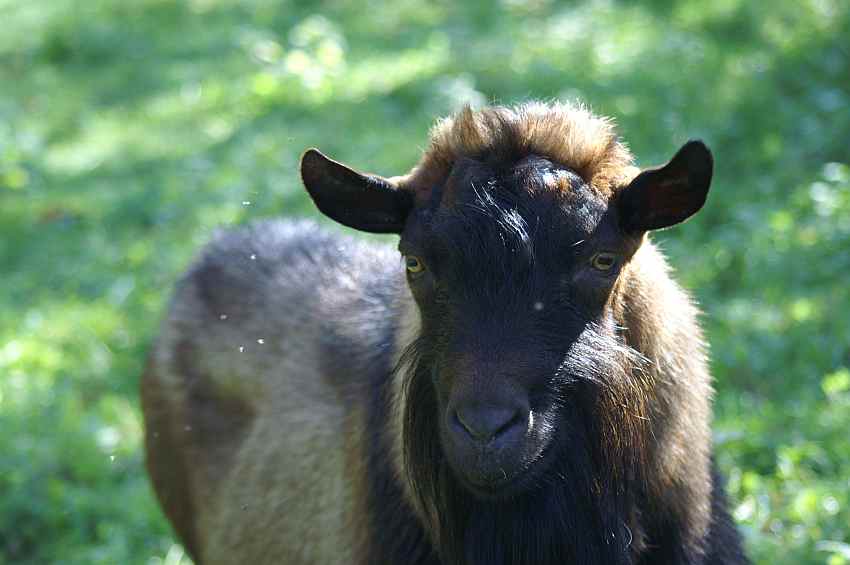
(603, 261)
(413, 264)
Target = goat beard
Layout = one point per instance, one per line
(579, 510)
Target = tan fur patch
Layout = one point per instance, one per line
(660, 322)
(165, 460)
(568, 134)
(409, 323)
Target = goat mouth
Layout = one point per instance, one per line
(494, 490)
(502, 484)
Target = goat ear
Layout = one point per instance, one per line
(363, 202)
(664, 196)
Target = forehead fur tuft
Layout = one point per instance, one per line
(567, 134)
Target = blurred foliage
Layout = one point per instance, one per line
(130, 129)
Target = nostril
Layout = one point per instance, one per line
(468, 428)
(484, 424)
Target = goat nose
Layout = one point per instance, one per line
(484, 423)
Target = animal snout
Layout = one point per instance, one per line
(488, 440)
(482, 423)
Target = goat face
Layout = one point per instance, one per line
(513, 268)
(516, 264)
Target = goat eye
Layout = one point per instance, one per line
(603, 261)
(413, 264)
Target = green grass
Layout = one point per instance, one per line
(130, 130)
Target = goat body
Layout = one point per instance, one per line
(529, 386)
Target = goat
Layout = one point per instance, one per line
(527, 385)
